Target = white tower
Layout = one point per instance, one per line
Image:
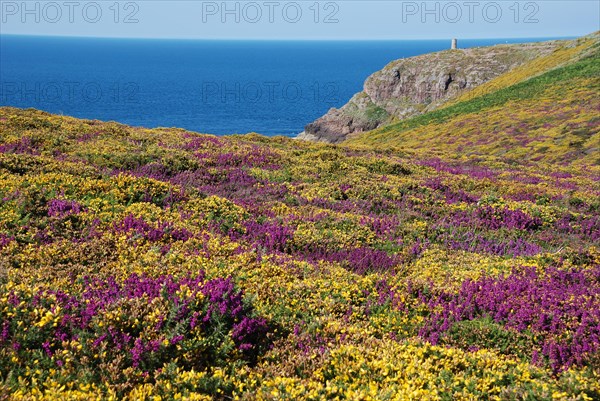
(454, 44)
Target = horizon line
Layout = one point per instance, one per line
(260, 39)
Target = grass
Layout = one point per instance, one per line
(586, 68)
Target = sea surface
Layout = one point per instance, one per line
(218, 87)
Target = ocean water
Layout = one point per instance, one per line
(218, 87)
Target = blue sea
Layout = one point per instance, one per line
(218, 87)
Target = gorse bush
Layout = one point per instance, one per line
(215, 277)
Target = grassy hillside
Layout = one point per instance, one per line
(412, 86)
(547, 110)
(162, 264)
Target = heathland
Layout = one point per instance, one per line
(448, 255)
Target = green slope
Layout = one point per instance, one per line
(552, 116)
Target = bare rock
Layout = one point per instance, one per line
(415, 85)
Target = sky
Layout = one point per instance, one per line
(301, 19)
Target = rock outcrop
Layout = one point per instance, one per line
(415, 85)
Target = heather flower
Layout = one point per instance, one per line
(561, 306)
(62, 208)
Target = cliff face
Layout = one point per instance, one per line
(546, 110)
(411, 86)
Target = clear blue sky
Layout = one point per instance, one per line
(274, 19)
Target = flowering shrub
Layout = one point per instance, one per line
(561, 307)
(137, 264)
(126, 332)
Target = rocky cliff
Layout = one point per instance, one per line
(411, 86)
